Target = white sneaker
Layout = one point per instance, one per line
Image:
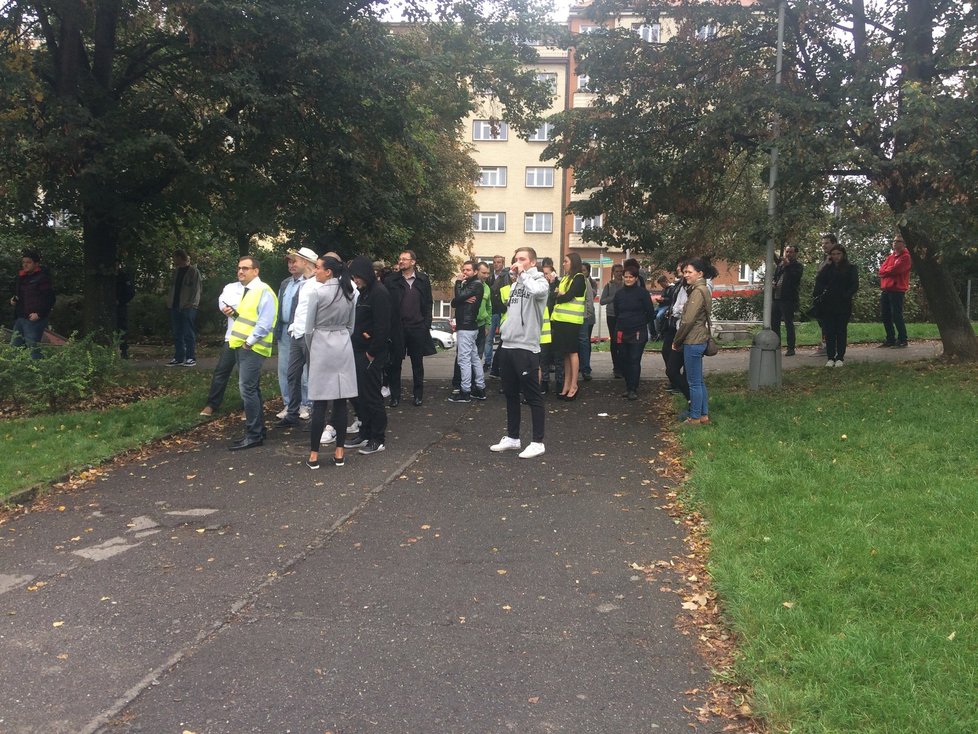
(282, 413)
(354, 427)
(532, 450)
(329, 436)
(385, 392)
(839, 363)
(507, 444)
(305, 413)
(830, 363)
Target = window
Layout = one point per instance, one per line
(493, 176)
(538, 222)
(706, 32)
(489, 221)
(486, 130)
(582, 223)
(747, 274)
(583, 83)
(648, 32)
(589, 28)
(539, 177)
(548, 78)
(542, 134)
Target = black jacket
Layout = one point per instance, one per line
(834, 291)
(467, 314)
(371, 331)
(397, 285)
(633, 308)
(495, 283)
(787, 281)
(34, 293)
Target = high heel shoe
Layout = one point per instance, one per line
(569, 398)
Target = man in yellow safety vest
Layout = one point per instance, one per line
(251, 339)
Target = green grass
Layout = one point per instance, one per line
(854, 499)
(809, 333)
(40, 449)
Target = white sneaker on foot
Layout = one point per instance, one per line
(354, 427)
(830, 363)
(507, 444)
(329, 436)
(305, 413)
(532, 450)
(282, 413)
(385, 392)
(839, 363)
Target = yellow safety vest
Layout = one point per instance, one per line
(504, 292)
(247, 318)
(570, 312)
(545, 327)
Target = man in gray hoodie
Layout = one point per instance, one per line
(519, 354)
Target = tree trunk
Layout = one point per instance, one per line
(101, 251)
(957, 333)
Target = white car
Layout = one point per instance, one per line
(442, 333)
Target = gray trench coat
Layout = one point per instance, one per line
(329, 323)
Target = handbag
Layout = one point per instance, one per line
(711, 344)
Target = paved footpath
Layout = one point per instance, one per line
(435, 587)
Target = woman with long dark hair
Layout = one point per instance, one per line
(835, 286)
(566, 321)
(693, 333)
(332, 369)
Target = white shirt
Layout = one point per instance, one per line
(230, 296)
(297, 328)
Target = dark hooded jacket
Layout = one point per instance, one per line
(371, 331)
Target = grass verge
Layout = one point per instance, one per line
(39, 449)
(844, 521)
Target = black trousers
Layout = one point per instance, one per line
(675, 363)
(836, 330)
(518, 369)
(413, 346)
(370, 403)
(616, 364)
(631, 357)
(222, 374)
(318, 422)
(784, 311)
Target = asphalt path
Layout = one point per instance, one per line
(434, 587)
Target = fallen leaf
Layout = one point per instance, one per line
(951, 636)
(501, 571)
(533, 699)
(57, 624)
(788, 604)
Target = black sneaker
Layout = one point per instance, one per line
(173, 363)
(372, 447)
(462, 397)
(479, 394)
(886, 345)
(355, 442)
(900, 345)
(789, 352)
(339, 461)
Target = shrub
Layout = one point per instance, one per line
(738, 308)
(65, 375)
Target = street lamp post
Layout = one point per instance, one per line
(765, 352)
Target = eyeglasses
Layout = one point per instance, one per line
(245, 267)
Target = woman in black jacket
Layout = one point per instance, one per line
(633, 311)
(835, 286)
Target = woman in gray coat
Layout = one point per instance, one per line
(332, 371)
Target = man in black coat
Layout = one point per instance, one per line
(410, 290)
(787, 281)
(33, 300)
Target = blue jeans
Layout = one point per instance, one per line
(584, 348)
(249, 384)
(698, 398)
(29, 333)
(469, 360)
(891, 312)
(284, 354)
(490, 337)
(184, 322)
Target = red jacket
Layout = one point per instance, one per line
(895, 272)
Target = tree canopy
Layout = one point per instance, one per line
(673, 149)
(312, 118)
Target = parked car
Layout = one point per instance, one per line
(443, 333)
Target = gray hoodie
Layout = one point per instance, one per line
(524, 313)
